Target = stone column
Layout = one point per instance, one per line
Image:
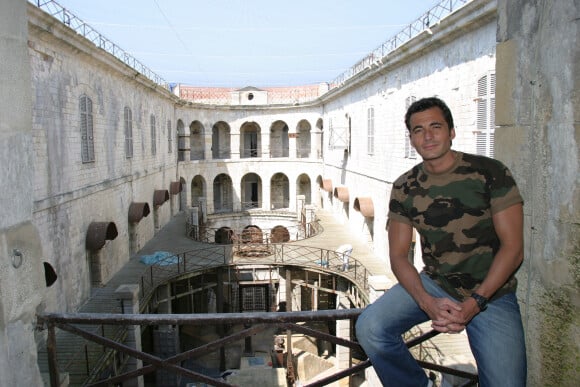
(297, 296)
(291, 193)
(235, 141)
(300, 204)
(129, 296)
(266, 194)
(315, 296)
(293, 139)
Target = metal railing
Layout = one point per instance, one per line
(294, 233)
(422, 23)
(80, 27)
(253, 323)
(106, 331)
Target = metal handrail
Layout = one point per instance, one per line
(253, 323)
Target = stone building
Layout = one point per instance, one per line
(97, 157)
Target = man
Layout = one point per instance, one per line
(468, 211)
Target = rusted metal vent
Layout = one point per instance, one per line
(365, 206)
(341, 193)
(175, 187)
(160, 196)
(98, 233)
(138, 211)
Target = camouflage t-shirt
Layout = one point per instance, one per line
(452, 212)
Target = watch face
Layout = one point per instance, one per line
(481, 301)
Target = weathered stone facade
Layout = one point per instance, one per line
(538, 111)
(226, 157)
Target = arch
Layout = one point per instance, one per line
(198, 190)
(252, 234)
(223, 193)
(196, 141)
(279, 191)
(224, 236)
(279, 234)
(250, 140)
(98, 233)
(304, 187)
(221, 141)
(303, 139)
(251, 190)
(279, 144)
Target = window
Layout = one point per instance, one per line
(339, 134)
(169, 137)
(330, 131)
(410, 152)
(153, 136)
(87, 140)
(485, 115)
(371, 130)
(128, 133)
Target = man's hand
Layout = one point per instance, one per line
(446, 315)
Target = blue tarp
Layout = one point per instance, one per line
(161, 258)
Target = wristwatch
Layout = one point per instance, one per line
(481, 301)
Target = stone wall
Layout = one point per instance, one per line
(538, 111)
(50, 197)
(21, 255)
(70, 194)
(438, 64)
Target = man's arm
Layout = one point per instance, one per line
(509, 224)
(442, 311)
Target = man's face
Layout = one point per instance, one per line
(430, 134)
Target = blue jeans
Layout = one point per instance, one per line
(496, 338)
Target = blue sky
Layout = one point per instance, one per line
(238, 43)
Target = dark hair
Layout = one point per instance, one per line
(425, 104)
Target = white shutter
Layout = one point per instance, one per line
(485, 122)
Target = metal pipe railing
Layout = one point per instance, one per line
(254, 323)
